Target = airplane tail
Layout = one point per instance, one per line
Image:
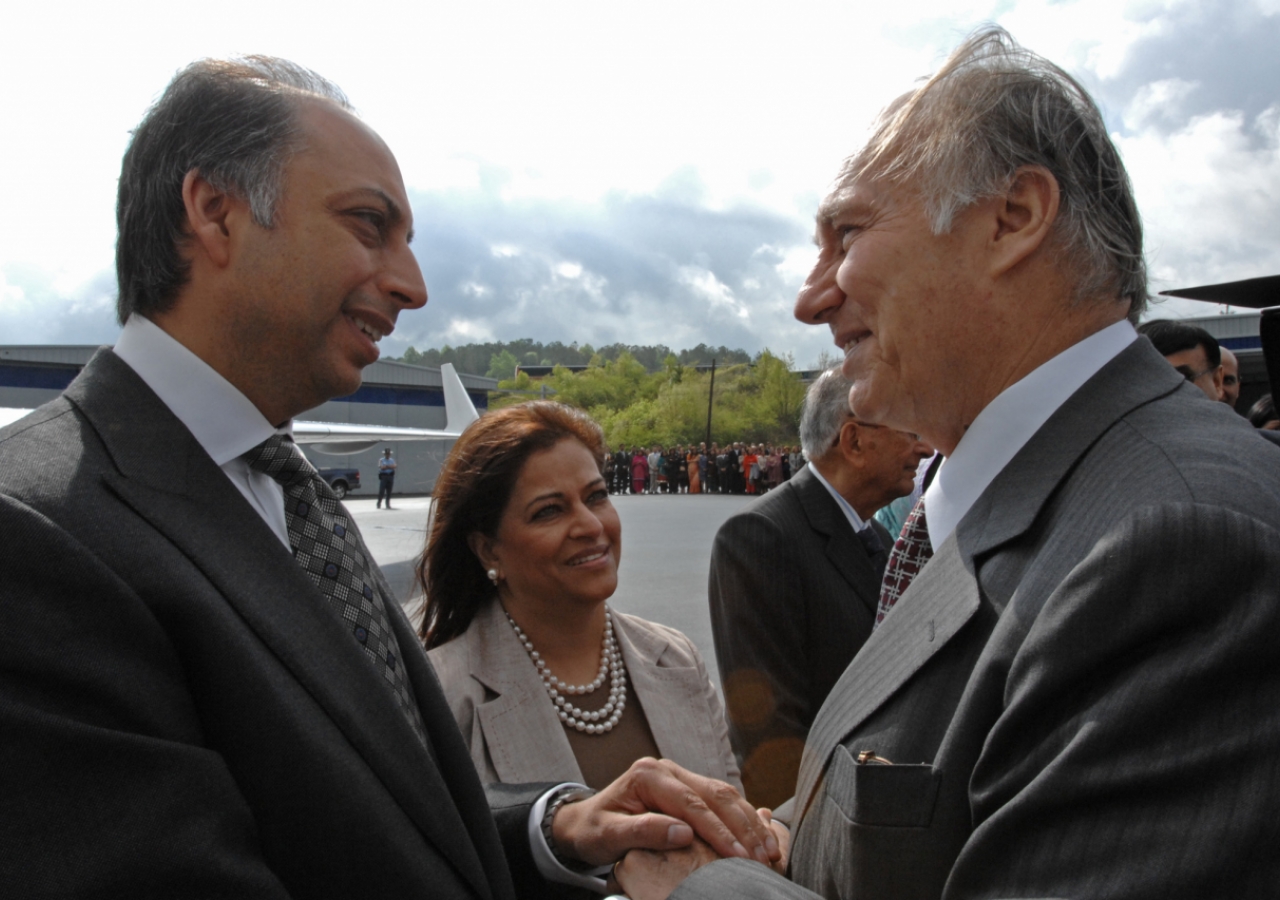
(459, 411)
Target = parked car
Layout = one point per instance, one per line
(341, 480)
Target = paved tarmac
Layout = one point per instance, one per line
(666, 552)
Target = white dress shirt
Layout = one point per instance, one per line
(1009, 421)
(221, 419)
(855, 520)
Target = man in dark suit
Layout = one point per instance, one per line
(795, 579)
(1191, 350)
(1078, 695)
(206, 686)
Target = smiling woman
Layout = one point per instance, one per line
(545, 681)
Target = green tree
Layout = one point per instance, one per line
(502, 365)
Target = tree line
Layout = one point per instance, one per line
(756, 402)
(498, 359)
(645, 395)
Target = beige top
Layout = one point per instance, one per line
(510, 724)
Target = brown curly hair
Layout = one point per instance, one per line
(471, 495)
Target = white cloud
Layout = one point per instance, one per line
(1209, 194)
(1159, 101)
(718, 295)
(711, 106)
(465, 331)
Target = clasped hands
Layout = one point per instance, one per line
(666, 822)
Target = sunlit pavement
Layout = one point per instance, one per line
(666, 552)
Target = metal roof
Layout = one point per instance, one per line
(1257, 293)
(381, 372)
(53, 354)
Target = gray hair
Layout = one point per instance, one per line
(992, 108)
(826, 409)
(235, 121)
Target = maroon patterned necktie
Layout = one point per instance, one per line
(910, 552)
(328, 547)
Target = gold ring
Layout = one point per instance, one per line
(614, 871)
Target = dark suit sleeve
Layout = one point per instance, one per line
(107, 791)
(758, 625)
(739, 878)
(510, 805)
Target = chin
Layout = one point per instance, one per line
(342, 380)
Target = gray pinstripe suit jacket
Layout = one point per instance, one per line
(1081, 691)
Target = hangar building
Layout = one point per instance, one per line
(393, 394)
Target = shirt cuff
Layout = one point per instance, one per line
(550, 867)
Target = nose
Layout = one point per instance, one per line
(820, 296)
(586, 524)
(402, 279)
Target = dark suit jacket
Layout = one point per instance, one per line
(181, 715)
(793, 596)
(1081, 691)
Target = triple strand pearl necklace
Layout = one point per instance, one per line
(602, 720)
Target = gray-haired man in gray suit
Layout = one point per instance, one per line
(1079, 693)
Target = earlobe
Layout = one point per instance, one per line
(1025, 216)
(207, 209)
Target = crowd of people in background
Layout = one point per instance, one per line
(736, 468)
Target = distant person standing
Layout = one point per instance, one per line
(639, 470)
(693, 473)
(386, 477)
(655, 468)
(621, 470)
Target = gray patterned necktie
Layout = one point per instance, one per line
(328, 547)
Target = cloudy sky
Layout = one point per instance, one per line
(647, 173)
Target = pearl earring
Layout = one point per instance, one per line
(493, 575)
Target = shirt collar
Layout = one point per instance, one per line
(850, 513)
(221, 419)
(1009, 421)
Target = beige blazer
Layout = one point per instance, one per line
(509, 723)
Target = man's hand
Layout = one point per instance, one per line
(783, 835)
(652, 806)
(654, 874)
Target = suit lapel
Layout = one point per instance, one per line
(942, 599)
(946, 594)
(168, 479)
(525, 739)
(842, 547)
(670, 695)
(465, 829)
